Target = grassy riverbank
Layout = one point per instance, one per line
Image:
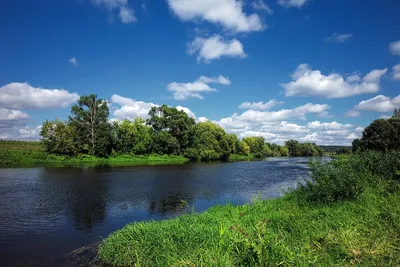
(348, 213)
(32, 153)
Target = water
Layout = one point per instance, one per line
(47, 212)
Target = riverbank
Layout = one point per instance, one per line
(347, 214)
(32, 153)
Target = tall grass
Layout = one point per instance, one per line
(359, 226)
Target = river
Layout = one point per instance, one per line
(48, 212)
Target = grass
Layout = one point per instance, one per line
(32, 153)
(237, 157)
(302, 228)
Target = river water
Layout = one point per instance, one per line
(48, 212)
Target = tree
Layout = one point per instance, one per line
(396, 113)
(256, 145)
(89, 117)
(243, 148)
(176, 122)
(132, 137)
(379, 135)
(163, 143)
(58, 137)
(209, 141)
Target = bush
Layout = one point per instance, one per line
(345, 178)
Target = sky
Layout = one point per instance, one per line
(311, 70)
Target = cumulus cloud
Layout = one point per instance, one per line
(227, 13)
(73, 61)
(187, 111)
(339, 37)
(182, 91)
(125, 13)
(11, 116)
(379, 103)
(328, 125)
(24, 96)
(215, 47)
(21, 133)
(282, 125)
(394, 48)
(308, 82)
(260, 105)
(396, 72)
(261, 5)
(292, 3)
(130, 108)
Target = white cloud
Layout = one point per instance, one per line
(227, 13)
(24, 96)
(261, 5)
(353, 78)
(130, 108)
(379, 103)
(292, 3)
(280, 126)
(215, 47)
(73, 61)
(220, 79)
(21, 133)
(328, 125)
(339, 37)
(182, 91)
(312, 82)
(187, 111)
(396, 72)
(125, 13)
(260, 105)
(8, 115)
(394, 48)
(202, 119)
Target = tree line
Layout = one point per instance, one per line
(381, 135)
(166, 131)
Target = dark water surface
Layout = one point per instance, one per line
(47, 212)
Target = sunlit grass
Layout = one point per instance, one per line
(302, 228)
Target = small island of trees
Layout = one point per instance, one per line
(167, 131)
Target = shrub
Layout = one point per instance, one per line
(346, 177)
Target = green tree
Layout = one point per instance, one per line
(89, 117)
(175, 122)
(396, 113)
(256, 145)
(209, 141)
(243, 148)
(379, 135)
(132, 137)
(163, 143)
(58, 137)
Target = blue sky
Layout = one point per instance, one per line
(323, 69)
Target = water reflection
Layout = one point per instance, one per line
(48, 212)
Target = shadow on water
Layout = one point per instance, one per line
(48, 212)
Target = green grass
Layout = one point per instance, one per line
(237, 157)
(302, 228)
(32, 153)
(278, 232)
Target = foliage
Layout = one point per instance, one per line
(167, 131)
(90, 119)
(175, 122)
(346, 178)
(290, 231)
(297, 149)
(58, 138)
(131, 137)
(381, 135)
